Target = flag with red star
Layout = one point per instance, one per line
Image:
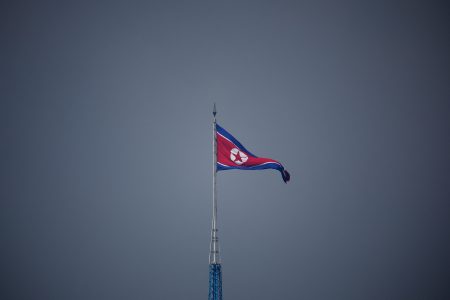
(232, 155)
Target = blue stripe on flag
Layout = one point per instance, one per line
(275, 166)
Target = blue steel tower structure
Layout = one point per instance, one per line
(215, 268)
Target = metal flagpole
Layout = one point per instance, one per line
(215, 269)
(214, 247)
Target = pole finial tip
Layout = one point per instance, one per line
(214, 110)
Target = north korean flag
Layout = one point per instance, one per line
(232, 155)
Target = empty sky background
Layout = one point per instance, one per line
(106, 150)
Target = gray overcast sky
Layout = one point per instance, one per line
(105, 152)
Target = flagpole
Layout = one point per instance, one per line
(215, 268)
(214, 247)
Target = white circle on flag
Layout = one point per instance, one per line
(238, 157)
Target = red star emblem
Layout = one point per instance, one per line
(238, 157)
